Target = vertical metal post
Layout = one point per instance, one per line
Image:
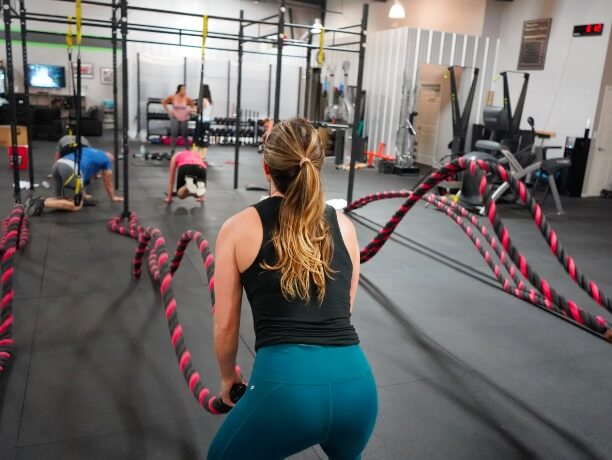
(279, 60)
(137, 94)
(26, 89)
(356, 147)
(238, 102)
(307, 89)
(10, 78)
(115, 95)
(125, 114)
(299, 90)
(268, 112)
(229, 80)
(184, 70)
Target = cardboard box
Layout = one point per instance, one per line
(5, 135)
(324, 135)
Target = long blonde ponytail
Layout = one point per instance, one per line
(303, 242)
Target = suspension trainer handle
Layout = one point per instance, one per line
(69, 35)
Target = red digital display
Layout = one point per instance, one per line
(588, 30)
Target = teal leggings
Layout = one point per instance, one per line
(299, 396)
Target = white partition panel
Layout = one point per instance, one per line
(395, 55)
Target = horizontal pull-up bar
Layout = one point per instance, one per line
(163, 30)
(262, 19)
(195, 15)
(175, 13)
(88, 2)
(309, 27)
(152, 42)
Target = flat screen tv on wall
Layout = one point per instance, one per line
(46, 76)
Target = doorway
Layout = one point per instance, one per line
(434, 120)
(601, 163)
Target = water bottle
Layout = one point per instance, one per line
(142, 151)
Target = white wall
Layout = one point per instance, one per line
(458, 16)
(564, 95)
(599, 168)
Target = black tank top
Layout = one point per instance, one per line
(281, 321)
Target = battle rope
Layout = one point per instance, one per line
(15, 236)
(480, 167)
(162, 271)
(518, 290)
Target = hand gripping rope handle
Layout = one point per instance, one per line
(552, 300)
(15, 236)
(162, 269)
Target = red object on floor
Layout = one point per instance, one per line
(22, 157)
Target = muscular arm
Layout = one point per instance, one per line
(166, 102)
(349, 235)
(192, 104)
(107, 176)
(228, 299)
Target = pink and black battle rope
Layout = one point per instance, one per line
(15, 236)
(518, 290)
(162, 271)
(451, 209)
(568, 308)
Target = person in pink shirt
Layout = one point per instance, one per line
(190, 172)
(182, 108)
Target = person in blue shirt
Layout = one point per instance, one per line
(64, 172)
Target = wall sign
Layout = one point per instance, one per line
(87, 70)
(534, 44)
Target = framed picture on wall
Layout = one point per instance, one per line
(87, 70)
(106, 75)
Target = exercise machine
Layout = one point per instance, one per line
(405, 139)
(461, 119)
(539, 164)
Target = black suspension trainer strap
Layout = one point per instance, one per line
(78, 191)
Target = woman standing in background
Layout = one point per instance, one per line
(206, 114)
(182, 108)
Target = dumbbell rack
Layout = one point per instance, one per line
(223, 132)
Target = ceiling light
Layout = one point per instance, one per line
(397, 11)
(316, 27)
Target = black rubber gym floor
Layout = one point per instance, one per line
(464, 370)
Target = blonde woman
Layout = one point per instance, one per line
(298, 262)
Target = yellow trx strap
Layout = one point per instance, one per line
(69, 34)
(204, 33)
(321, 54)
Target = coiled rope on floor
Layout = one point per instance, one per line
(552, 299)
(15, 236)
(162, 270)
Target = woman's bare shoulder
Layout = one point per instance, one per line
(242, 222)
